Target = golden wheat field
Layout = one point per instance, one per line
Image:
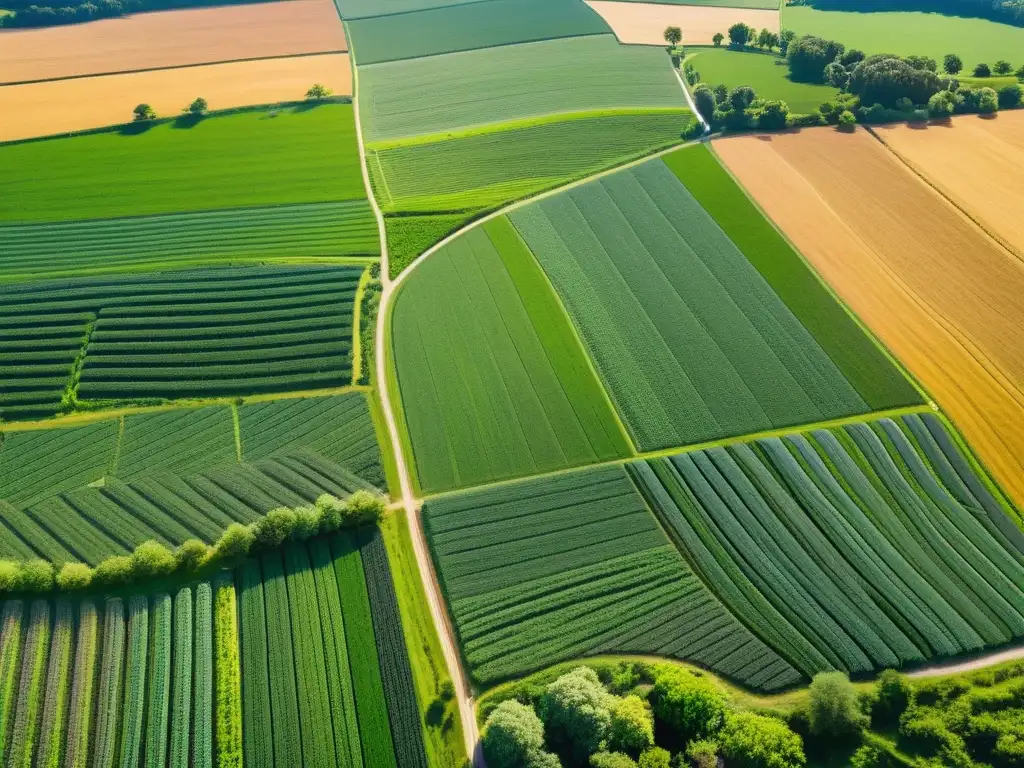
(171, 39)
(644, 23)
(946, 298)
(62, 106)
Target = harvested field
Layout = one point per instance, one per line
(644, 23)
(63, 106)
(978, 164)
(895, 251)
(171, 39)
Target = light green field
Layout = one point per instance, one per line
(767, 74)
(493, 383)
(230, 161)
(912, 33)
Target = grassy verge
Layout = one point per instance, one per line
(443, 728)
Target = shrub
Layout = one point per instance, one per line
(869, 757)
(575, 709)
(307, 523)
(611, 760)
(687, 702)
(987, 101)
(512, 731)
(804, 121)
(113, 571)
(74, 576)
(809, 55)
(717, 39)
(952, 64)
(10, 576)
(721, 93)
(702, 753)
(1020, 72)
(941, 105)
(851, 58)
(922, 63)
(847, 120)
(1011, 96)
(364, 507)
(749, 740)
(704, 100)
(832, 706)
(982, 70)
(331, 511)
(773, 116)
(36, 576)
(1002, 67)
(893, 694)
(150, 559)
(742, 97)
(837, 76)
(655, 757)
(190, 555)
(274, 527)
(632, 726)
(235, 542)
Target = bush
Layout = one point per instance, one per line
(809, 55)
(575, 709)
(114, 571)
(1011, 97)
(632, 726)
(832, 707)
(511, 733)
(611, 760)
(234, 543)
(1002, 67)
(982, 70)
(702, 753)
(688, 703)
(37, 576)
(1020, 72)
(74, 576)
(773, 116)
(151, 559)
(307, 523)
(655, 757)
(10, 576)
(893, 694)
(749, 740)
(837, 76)
(331, 511)
(364, 507)
(274, 527)
(952, 64)
(704, 100)
(987, 101)
(742, 97)
(804, 121)
(941, 105)
(190, 555)
(717, 39)
(721, 94)
(869, 757)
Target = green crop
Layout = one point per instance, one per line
(58, 682)
(182, 702)
(228, 683)
(108, 704)
(289, 747)
(135, 683)
(158, 708)
(258, 728)
(177, 441)
(82, 687)
(30, 686)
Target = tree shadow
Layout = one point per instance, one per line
(186, 121)
(136, 128)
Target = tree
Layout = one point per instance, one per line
(702, 753)
(809, 55)
(632, 726)
(189, 555)
(1020, 72)
(785, 38)
(114, 571)
(37, 576)
(718, 37)
(952, 64)
(199, 107)
(704, 99)
(1011, 96)
(987, 101)
(982, 70)
(611, 760)
(837, 76)
(512, 736)
(74, 576)
(847, 120)
(143, 112)
(893, 692)
(832, 706)
(922, 62)
(721, 93)
(773, 116)
(1002, 67)
(765, 38)
(869, 757)
(150, 559)
(748, 740)
(739, 34)
(742, 97)
(576, 710)
(307, 523)
(688, 703)
(851, 58)
(10, 576)
(673, 36)
(885, 79)
(235, 542)
(318, 92)
(655, 757)
(274, 527)
(364, 507)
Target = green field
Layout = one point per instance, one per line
(358, 9)
(858, 548)
(240, 160)
(490, 168)
(409, 236)
(492, 381)
(286, 232)
(176, 441)
(460, 90)
(690, 340)
(767, 74)
(861, 362)
(576, 565)
(469, 27)
(912, 33)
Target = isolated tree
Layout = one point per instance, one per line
(757, 741)
(199, 107)
(718, 37)
(952, 64)
(143, 112)
(739, 34)
(832, 707)
(1002, 67)
(318, 92)
(982, 70)
(673, 36)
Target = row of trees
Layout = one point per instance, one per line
(28, 14)
(200, 106)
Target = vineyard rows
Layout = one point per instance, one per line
(140, 690)
(579, 566)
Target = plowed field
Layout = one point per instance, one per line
(943, 296)
(977, 163)
(171, 39)
(61, 106)
(645, 23)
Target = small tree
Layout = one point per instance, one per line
(655, 757)
(575, 709)
(688, 703)
(317, 93)
(74, 576)
(721, 93)
(893, 692)
(37, 576)
(235, 542)
(513, 731)
(847, 120)
(739, 34)
(632, 726)
(718, 37)
(758, 741)
(143, 112)
(1011, 96)
(199, 107)
(952, 64)
(702, 753)
(982, 70)
(10, 576)
(773, 116)
(150, 559)
(1002, 67)
(673, 36)
(1020, 73)
(705, 101)
(832, 706)
(742, 97)
(988, 101)
(786, 36)
(274, 527)
(837, 76)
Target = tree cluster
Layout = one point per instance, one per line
(739, 109)
(28, 14)
(151, 559)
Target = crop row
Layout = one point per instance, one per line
(844, 548)
(116, 692)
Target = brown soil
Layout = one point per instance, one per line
(976, 162)
(61, 106)
(943, 296)
(171, 39)
(644, 23)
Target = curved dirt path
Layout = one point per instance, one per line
(978, 662)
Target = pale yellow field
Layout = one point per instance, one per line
(946, 299)
(976, 162)
(171, 39)
(644, 23)
(61, 106)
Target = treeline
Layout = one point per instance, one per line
(1005, 11)
(28, 14)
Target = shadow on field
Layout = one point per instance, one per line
(185, 122)
(136, 129)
